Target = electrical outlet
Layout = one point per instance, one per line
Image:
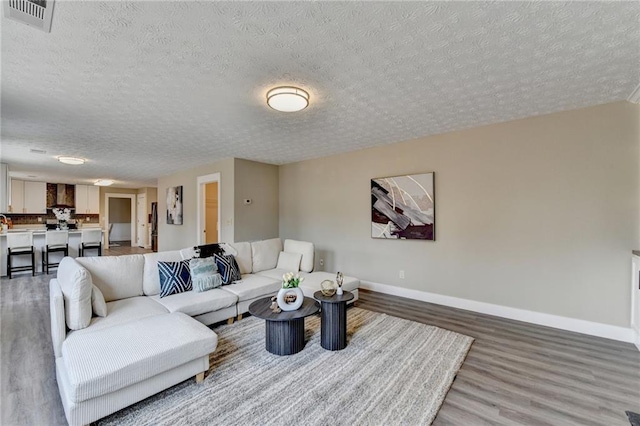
(401, 274)
(88, 219)
(321, 262)
(39, 219)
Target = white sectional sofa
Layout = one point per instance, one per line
(146, 343)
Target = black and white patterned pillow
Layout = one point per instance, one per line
(175, 277)
(228, 268)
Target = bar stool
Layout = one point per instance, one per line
(91, 239)
(19, 244)
(54, 241)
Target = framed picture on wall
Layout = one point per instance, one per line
(403, 207)
(174, 205)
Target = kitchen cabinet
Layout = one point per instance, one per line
(28, 197)
(87, 199)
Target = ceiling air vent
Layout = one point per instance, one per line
(35, 13)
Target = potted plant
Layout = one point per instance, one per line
(290, 296)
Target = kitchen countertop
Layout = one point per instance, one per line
(41, 231)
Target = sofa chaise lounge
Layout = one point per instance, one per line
(144, 343)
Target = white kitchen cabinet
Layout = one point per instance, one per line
(35, 197)
(28, 196)
(87, 199)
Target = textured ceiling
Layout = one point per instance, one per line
(145, 89)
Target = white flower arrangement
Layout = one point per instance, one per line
(63, 215)
(291, 280)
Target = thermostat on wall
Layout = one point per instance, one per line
(247, 201)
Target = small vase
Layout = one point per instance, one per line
(339, 291)
(290, 299)
(63, 225)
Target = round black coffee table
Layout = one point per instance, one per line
(284, 331)
(333, 321)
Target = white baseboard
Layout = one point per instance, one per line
(564, 323)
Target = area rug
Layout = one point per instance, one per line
(393, 371)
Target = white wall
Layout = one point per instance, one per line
(538, 214)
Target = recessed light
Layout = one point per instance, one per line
(103, 182)
(287, 99)
(71, 160)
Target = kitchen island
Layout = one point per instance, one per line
(38, 245)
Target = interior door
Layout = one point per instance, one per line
(141, 221)
(211, 212)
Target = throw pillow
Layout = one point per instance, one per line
(228, 268)
(208, 250)
(289, 261)
(204, 274)
(76, 283)
(97, 302)
(175, 277)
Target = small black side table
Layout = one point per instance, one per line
(333, 320)
(284, 331)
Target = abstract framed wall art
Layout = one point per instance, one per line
(174, 205)
(403, 207)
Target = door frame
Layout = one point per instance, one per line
(134, 206)
(201, 213)
(147, 244)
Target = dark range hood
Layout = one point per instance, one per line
(61, 196)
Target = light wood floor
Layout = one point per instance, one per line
(515, 373)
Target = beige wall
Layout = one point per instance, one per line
(120, 210)
(259, 183)
(538, 214)
(111, 190)
(172, 237)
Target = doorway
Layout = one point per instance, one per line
(211, 213)
(107, 198)
(141, 222)
(119, 227)
(209, 209)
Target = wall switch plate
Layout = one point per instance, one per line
(321, 262)
(401, 274)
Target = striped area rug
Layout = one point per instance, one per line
(393, 371)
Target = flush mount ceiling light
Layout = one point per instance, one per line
(287, 99)
(71, 160)
(103, 182)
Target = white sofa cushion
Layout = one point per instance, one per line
(117, 277)
(265, 254)
(150, 274)
(277, 274)
(243, 257)
(194, 303)
(289, 261)
(113, 358)
(125, 310)
(76, 285)
(188, 253)
(253, 286)
(98, 304)
(306, 249)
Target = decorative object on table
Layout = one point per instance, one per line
(63, 216)
(328, 288)
(403, 207)
(274, 305)
(174, 205)
(290, 297)
(339, 280)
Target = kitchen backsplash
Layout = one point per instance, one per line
(32, 219)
